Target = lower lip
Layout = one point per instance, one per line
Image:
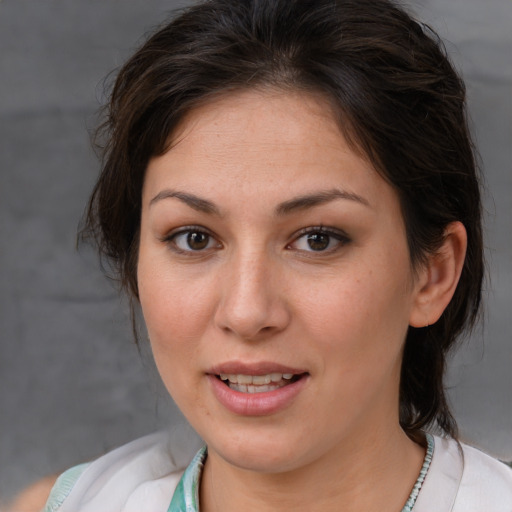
(256, 404)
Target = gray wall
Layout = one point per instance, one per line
(72, 384)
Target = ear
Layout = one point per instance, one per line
(439, 277)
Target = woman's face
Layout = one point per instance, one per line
(275, 282)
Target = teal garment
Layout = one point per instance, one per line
(186, 495)
(63, 487)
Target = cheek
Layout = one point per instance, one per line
(359, 315)
(176, 317)
(360, 334)
(177, 311)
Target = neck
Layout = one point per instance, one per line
(375, 471)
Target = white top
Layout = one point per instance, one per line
(142, 476)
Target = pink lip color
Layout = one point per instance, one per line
(257, 368)
(256, 404)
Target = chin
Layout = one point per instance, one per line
(261, 452)
(252, 459)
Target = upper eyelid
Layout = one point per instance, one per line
(320, 229)
(185, 229)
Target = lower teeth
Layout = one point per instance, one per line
(243, 388)
(250, 388)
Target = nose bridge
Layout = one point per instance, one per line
(251, 302)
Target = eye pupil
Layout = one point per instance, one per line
(318, 241)
(197, 240)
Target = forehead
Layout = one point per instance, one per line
(262, 142)
(257, 117)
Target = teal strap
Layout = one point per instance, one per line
(186, 495)
(63, 487)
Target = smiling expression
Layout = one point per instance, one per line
(275, 281)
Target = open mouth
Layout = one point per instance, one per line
(258, 383)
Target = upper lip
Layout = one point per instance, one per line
(255, 368)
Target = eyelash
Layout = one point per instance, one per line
(335, 234)
(188, 230)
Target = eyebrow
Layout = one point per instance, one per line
(195, 202)
(310, 200)
(297, 203)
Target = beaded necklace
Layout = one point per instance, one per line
(186, 495)
(421, 478)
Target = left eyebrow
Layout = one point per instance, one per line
(316, 199)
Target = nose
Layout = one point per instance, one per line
(252, 305)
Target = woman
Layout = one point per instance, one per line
(289, 192)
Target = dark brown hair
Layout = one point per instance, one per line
(399, 102)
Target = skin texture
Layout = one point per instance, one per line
(256, 292)
(33, 498)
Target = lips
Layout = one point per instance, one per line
(256, 389)
(258, 383)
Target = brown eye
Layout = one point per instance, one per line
(318, 241)
(197, 240)
(192, 240)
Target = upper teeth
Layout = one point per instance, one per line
(257, 380)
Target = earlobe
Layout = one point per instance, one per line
(440, 277)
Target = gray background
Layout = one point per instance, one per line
(72, 384)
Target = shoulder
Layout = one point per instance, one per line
(485, 480)
(140, 475)
(464, 479)
(63, 486)
(33, 497)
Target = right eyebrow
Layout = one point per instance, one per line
(195, 202)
